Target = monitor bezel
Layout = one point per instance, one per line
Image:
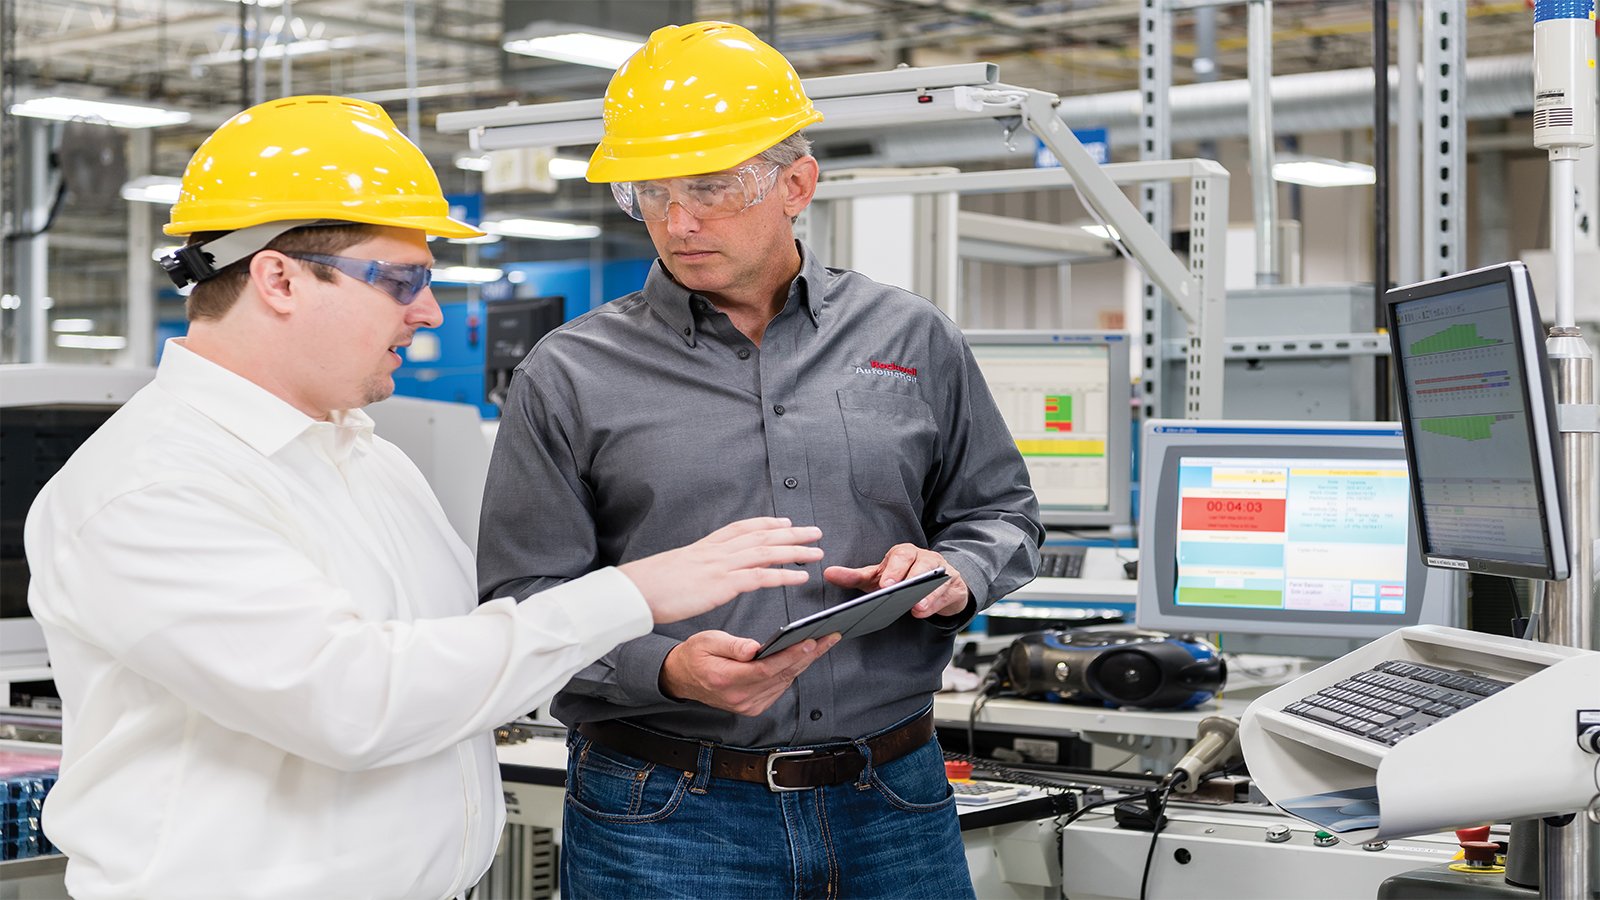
(1168, 441)
(1119, 421)
(1535, 370)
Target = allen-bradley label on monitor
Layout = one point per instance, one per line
(1447, 563)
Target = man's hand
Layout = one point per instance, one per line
(743, 556)
(721, 671)
(901, 562)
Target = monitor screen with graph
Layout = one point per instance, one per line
(1288, 529)
(1475, 402)
(1065, 396)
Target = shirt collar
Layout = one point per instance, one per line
(674, 303)
(250, 412)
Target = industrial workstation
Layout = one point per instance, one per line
(821, 448)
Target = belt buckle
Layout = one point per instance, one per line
(772, 760)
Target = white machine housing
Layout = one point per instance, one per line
(1513, 755)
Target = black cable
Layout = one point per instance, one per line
(1158, 808)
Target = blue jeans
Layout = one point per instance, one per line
(635, 829)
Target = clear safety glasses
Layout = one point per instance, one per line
(714, 196)
(402, 281)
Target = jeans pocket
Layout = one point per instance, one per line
(915, 782)
(614, 787)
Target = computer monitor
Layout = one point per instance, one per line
(1065, 397)
(46, 413)
(1299, 529)
(1476, 405)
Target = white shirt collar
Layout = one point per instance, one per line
(255, 415)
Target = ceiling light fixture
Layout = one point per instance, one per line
(162, 189)
(117, 115)
(473, 162)
(465, 275)
(541, 229)
(91, 341)
(565, 42)
(562, 168)
(72, 326)
(1323, 172)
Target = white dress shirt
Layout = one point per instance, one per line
(274, 677)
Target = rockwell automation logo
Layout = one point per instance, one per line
(888, 370)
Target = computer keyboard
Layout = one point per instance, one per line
(1394, 700)
(1061, 562)
(973, 793)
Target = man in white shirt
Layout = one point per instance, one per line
(275, 679)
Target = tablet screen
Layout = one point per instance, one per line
(861, 615)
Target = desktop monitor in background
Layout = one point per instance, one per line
(1065, 397)
(1289, 529)
(1479, 420)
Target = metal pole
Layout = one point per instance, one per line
(1408, 231)
(33, 256)
(286, 38)
(1562, 233)
(413, 118)
(140, 322)
(1380, 155)
(1262, 185)
(1569, 862)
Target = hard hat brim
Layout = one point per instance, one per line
(438, 226)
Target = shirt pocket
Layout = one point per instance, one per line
(891, 439)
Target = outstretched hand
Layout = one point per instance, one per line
(901, 562)
(739, 557)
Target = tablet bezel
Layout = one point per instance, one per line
(847, 617)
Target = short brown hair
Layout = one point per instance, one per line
(212, 298)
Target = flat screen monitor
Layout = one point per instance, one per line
(1065, 397)
(1479, 421)
(46, 413)
(1299, 529)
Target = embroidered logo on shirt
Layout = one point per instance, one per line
(888, 370)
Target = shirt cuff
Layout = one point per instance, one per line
(639, 669)
(976, 588)
(604, 608)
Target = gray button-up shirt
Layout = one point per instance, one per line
(651, 421)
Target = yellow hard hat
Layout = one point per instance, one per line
(316, 158)
(695, 99)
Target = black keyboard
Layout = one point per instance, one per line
(1060, 562)
(1394, 700)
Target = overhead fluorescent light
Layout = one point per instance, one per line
(563, 168)
(465, 275)
(1323, 172)
(286, 48)
(541, 229)
(162, 189)
(473, 162)
(72, 326)
(119, 115)
(485, 238)
(565, 42)
(91, 341)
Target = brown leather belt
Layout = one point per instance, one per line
(780, 770)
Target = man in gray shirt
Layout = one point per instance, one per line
(749, 379)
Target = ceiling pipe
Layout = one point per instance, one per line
(1496, 87)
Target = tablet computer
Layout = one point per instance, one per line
(861, 615)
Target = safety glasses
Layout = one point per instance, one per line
(402, 281)
(715, 196)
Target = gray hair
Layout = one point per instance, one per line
(786, 151)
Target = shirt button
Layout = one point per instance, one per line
(744, 353)
(778, 408)
(816, 714)
(687, 331)
(791, 483)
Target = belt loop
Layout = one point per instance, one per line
(702, 767)
(864, 780)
